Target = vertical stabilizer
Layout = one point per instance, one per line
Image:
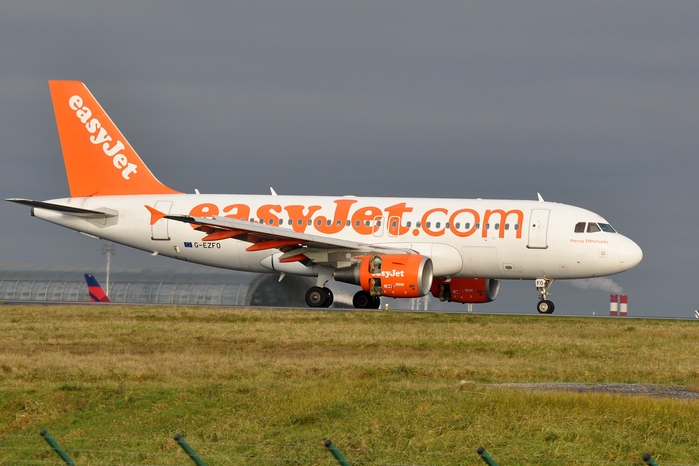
(99, 161)
(97, 294)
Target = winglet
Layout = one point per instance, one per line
(155, 214)
(541, 199)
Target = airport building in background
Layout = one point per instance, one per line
(151, 285)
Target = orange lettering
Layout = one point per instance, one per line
(242, 212)
(340, 217)
(360, 217)
(296, 212)
(203, 210)
(464, 234)
(424, 222)
(265, 213)
(395, 214)
(503, 219)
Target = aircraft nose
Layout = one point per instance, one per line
(630, 255)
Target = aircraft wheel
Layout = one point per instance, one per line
(362, 300)
(376, 302)
(319, 297)
(545, 307)
(329, 298)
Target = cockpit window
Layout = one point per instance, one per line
(607, 227)
(593, 227)
(580, 227)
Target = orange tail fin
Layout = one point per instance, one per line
(99, 161)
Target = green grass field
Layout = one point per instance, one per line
(113, 384)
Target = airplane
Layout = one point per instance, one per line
(97, 294)
(458, 250)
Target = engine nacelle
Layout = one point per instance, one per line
(396, 276)
(466, 290)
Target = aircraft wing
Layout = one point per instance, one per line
(295, 246)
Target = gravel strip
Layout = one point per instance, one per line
(658, 391)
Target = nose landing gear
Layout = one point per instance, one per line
(544, 306)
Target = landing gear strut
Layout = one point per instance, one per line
(544, 306)
(364, 300)
(319, 297)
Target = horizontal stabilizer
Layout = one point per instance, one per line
(65, 209)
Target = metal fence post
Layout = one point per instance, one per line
(56, 447)
(486, 456)
(189, 450)
(336, 453)
(649, 460)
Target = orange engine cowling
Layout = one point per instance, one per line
(397, 276)
(466, 290)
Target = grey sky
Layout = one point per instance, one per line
(594, 104)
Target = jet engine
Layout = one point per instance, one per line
(466, 290)
(396, 276)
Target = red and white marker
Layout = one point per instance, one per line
(624, 306)
(613, 305)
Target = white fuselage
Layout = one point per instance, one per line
(505, 239)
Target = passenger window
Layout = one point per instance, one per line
(467, 225)
(497, 226)
(487, 226)
(319, 222)
(580, 227)
(349, 223)
(417, 224)
(507, 226)
(478, 225)
(357, 223)
(339, 222)
(457, 225)
(436, 225)
(446, 225)
(310, 222)
(408, 224)
(300, 222)
(516, 226)
(394, 224)
(428, 224)
(593, 227)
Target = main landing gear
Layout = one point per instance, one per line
(317, 296)
(544, 306)
(364, 300)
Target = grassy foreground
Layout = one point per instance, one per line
(113, 384)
